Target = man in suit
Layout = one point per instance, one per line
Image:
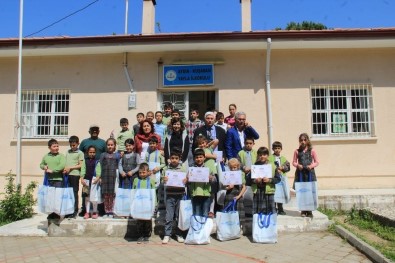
(211, 132)
(235, 136)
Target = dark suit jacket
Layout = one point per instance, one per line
(232, 142)
(220, 134)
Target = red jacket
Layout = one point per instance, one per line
(140, 138)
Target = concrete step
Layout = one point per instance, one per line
(292, 222)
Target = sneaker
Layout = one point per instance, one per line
(309, 214)
(95, 216)
(282, 212)
(87, 215)
(165, 240)
(146, 239)
(303, 214)
(140, 240)
(82, 213)
(180, 239)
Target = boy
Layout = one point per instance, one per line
(201, 192)
(144, 227)
(140, 119)
(282, 166)
(74, 160)
(264, 188)
(173, 197)
(53, 164)
(124, 134)
(160, 127)
(150, 116)
(167, 108)
(176, 114)
(155, 160)
(220, 121)
(191, 125)
(248, 155)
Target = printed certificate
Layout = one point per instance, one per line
(231, 177)
(261, 171)
(198, 174)
(175, 178)
(219, 155)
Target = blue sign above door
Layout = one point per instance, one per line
(188, 75)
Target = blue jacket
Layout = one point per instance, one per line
(232, 142)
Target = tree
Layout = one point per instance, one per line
(305, 25)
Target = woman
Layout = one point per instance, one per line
(141, 139)
(230, 120)
(178, 139)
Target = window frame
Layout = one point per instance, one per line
(45, 114)
(354, 111)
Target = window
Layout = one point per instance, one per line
(45, 114)
(342, 110)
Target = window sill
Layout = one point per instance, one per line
(344, 139)
(38, 142)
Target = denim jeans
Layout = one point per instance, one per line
(172, 208)
(201, 205)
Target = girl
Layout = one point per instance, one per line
(234, 192)
(177, 139)
(109, 164)
(90, 169)
(305, 160)
(141, 139)
(129, 165)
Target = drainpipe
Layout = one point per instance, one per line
(268, 96)
(132, 96)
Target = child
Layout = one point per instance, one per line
(74, 160)
(190, 126)
(248, 155)
(109, 164)
(210, 162)
(53, 164)
(264, 188)
(305, 159)
(176, 114)
(220, 121)
(90, 169)
(201, 192)
(123, 135)
(167, 108)
(144, 227)
(173, 197)
(282, 166)
(140, 119)
(235, 192)
(160, 127)
(155, 160)
(129, 165)
(150, 116)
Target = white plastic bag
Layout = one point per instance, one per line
(142, 202)
(184, 214)
(228, 223)
(282, 194)
(199, 231)
(264, 228)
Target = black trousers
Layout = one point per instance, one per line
(144, 228)
(74, 181)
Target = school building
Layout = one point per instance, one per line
(337, 85)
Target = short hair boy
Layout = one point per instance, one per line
(123, 135)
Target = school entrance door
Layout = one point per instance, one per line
(185, 101)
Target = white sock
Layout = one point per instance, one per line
(87, 205)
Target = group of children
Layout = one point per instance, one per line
(121, 164)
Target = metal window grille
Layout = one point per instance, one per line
(45, 113)
(344, 110)
(178, 99)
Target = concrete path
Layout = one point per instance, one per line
(291, 247)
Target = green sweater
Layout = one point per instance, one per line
(200, 189)
(270, 188)
(121, 138)
(283, 162)
(242, 155)
(56, 163)
(72, 159)
(143, 183)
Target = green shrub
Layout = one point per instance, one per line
(16, 205)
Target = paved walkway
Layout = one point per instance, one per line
(291, 247)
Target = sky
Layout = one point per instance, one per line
(107, 17)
